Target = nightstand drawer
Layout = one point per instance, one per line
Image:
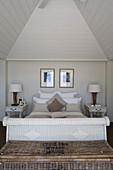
(15, 109)
(97, 110)
(11, 109)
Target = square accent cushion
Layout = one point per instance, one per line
(56, 103)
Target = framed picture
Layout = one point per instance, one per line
(22, 103)
(47, 78)
(66, 78)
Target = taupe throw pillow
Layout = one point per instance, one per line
(55, 106)
(59, 99)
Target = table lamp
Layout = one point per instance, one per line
(15, 88)
(94, 89)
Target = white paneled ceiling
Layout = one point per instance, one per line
(98, 14)
(99, 17)
(13, 16)
(57, 32)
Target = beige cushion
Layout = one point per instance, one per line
(73, 107)
(59, 99)
(55, 106)
(39, 116)
(40, 107)
(75, 116)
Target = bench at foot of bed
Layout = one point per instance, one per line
(59, 155)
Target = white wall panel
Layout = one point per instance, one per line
(110, 89)
(28, 73)
(2, 89)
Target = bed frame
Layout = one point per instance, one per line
(73, 129)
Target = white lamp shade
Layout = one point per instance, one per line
(94, 88)
(15, 88)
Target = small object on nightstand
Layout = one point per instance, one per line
(99, 110)
(16, 109)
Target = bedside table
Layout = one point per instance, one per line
(16, 109)
(98, 110)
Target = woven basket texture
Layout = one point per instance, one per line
(32, 155)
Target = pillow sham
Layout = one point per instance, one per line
(39, 100)
(40, 107)
(73, 107)
(46, 94)
(73, 100)
(68, 95)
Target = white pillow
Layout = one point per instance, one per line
(68, 95)
(73, 100)
(39, 100)
(46, 95)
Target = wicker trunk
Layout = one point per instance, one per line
(27, 155)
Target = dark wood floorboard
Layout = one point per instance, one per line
(110, 134)
(3, 134)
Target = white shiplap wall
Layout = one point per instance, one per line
(2, 89)
(28, 74)
(110, 89)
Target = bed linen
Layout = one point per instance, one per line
(62, 114)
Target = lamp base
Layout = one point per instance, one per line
(94, 96)
(15, 97)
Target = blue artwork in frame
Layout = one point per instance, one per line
(66, 78)
(47, 78)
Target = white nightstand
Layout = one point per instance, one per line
(16, 109)
(98, 110)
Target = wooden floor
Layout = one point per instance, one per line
(3, 134)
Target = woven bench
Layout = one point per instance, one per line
(83, 155)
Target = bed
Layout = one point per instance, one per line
(56, 136)
(64, 124)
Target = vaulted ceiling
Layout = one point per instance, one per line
(98, 14)
(14, 14)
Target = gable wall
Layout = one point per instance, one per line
(28, 74)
